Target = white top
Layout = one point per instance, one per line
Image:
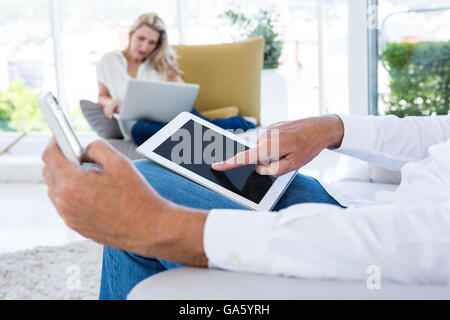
(112, 72)
(405, 233)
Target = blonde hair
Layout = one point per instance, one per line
(163, 58)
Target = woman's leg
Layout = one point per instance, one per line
(121, 270)
(143, 130)
(233, 123)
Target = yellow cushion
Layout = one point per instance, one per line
(228, 74)
(225, 112)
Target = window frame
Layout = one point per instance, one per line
(375, 37)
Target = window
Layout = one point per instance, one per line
(26, 63)
(314, 58)
(414, 58)
(315, 70)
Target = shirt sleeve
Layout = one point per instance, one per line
(389, 141)
(408, 243)
(408, 239)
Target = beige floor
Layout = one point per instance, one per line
(28, 219)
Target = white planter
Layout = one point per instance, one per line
(274, 97)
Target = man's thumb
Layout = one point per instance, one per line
(99, 152)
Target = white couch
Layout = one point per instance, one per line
(355, 177)
(199, 284)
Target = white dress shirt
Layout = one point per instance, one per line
(405, 233)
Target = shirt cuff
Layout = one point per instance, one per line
(359, 134)
(236, 239)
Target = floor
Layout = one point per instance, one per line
(28, 219)
(27, 216)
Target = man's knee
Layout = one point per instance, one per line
(142, 165)
(148, 168)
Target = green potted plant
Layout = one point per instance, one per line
(261, 25)
(274, 96)
(419, 78)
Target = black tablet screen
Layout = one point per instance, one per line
(196, 147)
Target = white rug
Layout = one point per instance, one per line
(66, 272)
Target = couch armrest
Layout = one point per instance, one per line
(126, 147)
(101, 124)
(210, 284)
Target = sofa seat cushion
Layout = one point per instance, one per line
(225, 112)
(206, 284)
(106, 128)
(382, 175)
(362, 190)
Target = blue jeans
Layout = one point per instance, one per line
(144, 129)
(122, 270)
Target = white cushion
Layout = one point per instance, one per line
(352, 169)
(209, 284)
(362, 190)
(381, 175)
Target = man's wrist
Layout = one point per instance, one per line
(178, 235)
(335, 131)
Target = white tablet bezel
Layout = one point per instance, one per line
(147, 150)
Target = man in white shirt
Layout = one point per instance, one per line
(405, 233)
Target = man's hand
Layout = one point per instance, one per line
(111, 107)
(287, 146)
(116, 206)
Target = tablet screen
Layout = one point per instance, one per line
(196, 147)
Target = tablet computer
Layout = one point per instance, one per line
(188, 145)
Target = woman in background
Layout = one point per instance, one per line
(148, 57)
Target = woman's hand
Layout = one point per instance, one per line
(111, 107)
(176, 78)
(287, 146)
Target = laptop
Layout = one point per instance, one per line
(158, 101)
